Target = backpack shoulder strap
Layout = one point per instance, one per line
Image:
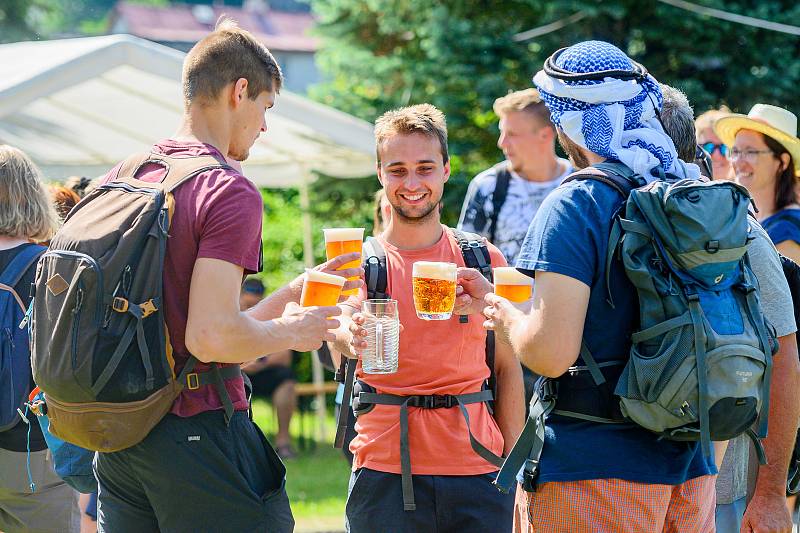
(376, 273)
(179, 169)
(503, 175)
(612, 173)
(20, 264)
(475, 252)
(476, 255)
(17, 268)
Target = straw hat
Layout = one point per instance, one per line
(772, 121)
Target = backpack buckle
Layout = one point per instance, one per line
(119, 304)
(148, 308)
(192, 381)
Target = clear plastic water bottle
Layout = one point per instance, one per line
(383, 336)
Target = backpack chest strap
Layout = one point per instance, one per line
(431, 401)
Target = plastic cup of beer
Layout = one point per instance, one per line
(340, 241)
(320, 289)
(512, 284)
(434, 286)
(382, 322)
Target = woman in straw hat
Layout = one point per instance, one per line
(766, 159)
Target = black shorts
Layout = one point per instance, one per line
(194, 474)
(467, 504)
(269, 379)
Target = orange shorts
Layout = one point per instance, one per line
(615, 505)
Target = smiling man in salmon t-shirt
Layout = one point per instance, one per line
(451, 484)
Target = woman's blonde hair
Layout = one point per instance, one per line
(25, 207)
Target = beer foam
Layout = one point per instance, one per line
(434, 270)
(343, 234)
(511, 276)
(324, 277)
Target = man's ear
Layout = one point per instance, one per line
(379, 173)
(239, 92)
(447, 171)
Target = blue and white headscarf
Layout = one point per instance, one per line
(611, 117)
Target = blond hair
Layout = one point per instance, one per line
(528, 101)
(25, 207)
(421, 118)
(222, 57)
(710, 117)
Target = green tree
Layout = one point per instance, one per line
(460, 56)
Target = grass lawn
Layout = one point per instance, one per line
(316, 480)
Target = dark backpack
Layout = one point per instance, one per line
(364, 398)
(503, 178)
(100, 351)
(15, 355)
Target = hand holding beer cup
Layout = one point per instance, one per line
(434, 288)
(470, 289)
(341, 241)
(501, 315)
(310, 325)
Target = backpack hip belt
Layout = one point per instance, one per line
(425, 401)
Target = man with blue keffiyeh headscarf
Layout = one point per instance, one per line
(596, 476)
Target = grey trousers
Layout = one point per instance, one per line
(52, 507)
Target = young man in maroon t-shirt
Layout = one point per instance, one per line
(194, 471)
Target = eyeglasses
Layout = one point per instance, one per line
(710, 147)
(747, 155)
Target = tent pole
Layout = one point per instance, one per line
(308, 258)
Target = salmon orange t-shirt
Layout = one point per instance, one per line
(435, 357)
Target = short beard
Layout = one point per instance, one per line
(573, 151)
(430, 213)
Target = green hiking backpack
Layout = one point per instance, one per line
(699, 366)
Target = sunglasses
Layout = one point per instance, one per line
(710, 147)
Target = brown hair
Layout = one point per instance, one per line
(222, 57)
(710, 117)
(25, 208)
(528, 101)
(64, 199)
(420, 118)
(785, 181)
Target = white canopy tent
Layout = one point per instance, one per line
(79, 106)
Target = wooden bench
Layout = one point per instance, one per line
(311, 389)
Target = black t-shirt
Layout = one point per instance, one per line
(16, 438)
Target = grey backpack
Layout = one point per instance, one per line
(699, 365)
(100, 346)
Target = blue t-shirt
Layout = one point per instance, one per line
(569, 236)
(783, 226)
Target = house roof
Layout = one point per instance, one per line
(278, 30)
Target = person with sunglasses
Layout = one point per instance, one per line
(708, 141)
(765, 155)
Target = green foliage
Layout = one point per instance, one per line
(316, 480)
(460, 56)
(334, 203)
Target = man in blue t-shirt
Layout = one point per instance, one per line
(595, 476)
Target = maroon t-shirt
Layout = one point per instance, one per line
(217, 215)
